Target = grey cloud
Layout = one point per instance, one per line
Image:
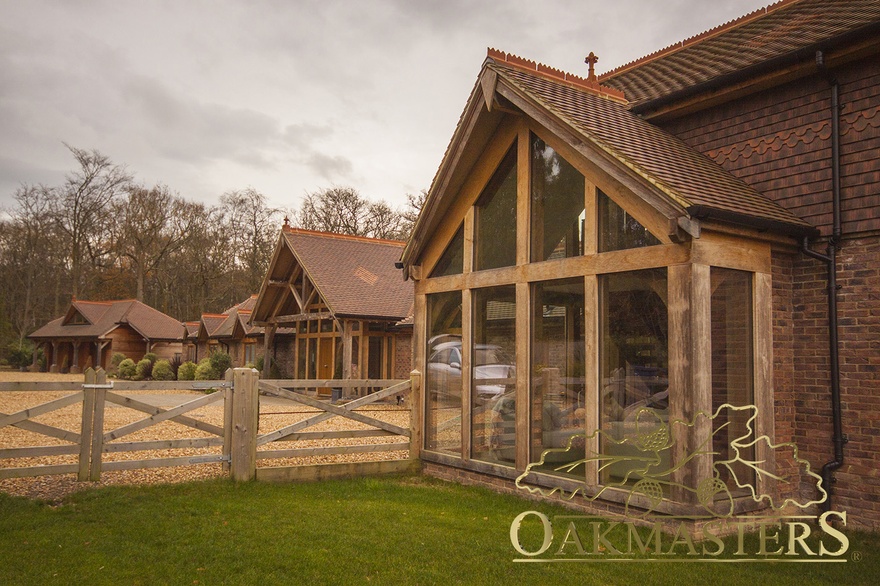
(332, 168)
(301, 135)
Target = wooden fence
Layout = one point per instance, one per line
(237, 438)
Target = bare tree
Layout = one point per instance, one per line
(30, 252)
(381, 221)
(253, 227)
(342, 210)
(410, 215)
(151, 224)
(82, 207)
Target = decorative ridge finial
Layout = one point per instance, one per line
(590, 83)
(591, 62)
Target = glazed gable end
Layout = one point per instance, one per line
(618, 231)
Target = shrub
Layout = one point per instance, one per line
(143, 370)
(116, 359)
(151, 356)
(204, 370)
(186, 371)
(20, 357)
(220, 362)
(127, 369)
(162, 370)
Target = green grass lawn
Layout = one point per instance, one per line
(399, 530)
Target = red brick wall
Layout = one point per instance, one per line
(779, 142)
(403, 355)
(857, 489)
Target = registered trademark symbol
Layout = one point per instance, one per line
(856, 556)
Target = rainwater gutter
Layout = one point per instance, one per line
(830, 259)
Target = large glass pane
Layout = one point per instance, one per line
(443, 406)
(493, 376)
(618, 230)
(634, 400)
(495, 228)
(557, 205)
(732, 375)
(558, 414)
(451, 261)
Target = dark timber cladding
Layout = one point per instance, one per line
(343, 299)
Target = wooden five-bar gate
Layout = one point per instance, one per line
(236, 443)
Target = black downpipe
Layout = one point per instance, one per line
(838, 438)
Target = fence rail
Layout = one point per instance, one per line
(237, 437)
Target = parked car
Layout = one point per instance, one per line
(494, 371)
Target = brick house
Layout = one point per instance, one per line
(625, 251)
(343, 304)
(90, 332)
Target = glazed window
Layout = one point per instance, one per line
(557, 205)
(493, 375)
(443, 404)
(618, 230)
(634, 389)
(495, 228)
(557, 383)
(451, 262)
(732, 371)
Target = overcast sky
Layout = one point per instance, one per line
(286, 96)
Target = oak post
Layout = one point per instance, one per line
(85, 436)
(415, 428)
(98, 426)
(227, 420)
(245, 419)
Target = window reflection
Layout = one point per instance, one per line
(443, 406)
(495, 224)
(557, 205)
(451, 261)
(732, 369)
(493, 376)
(618, 230)
(558, 398)
(634, 399)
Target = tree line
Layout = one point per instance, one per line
(101, 235)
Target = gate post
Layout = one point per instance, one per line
(227, 420)
(415, 416)
(97, 439)
(85, 435)
(245, 420)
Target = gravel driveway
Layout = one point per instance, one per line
(274, 414)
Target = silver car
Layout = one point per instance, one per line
(494, 371)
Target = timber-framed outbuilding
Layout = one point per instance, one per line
(342, 300)
(91, 331)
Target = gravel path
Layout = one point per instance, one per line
(273, 415)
